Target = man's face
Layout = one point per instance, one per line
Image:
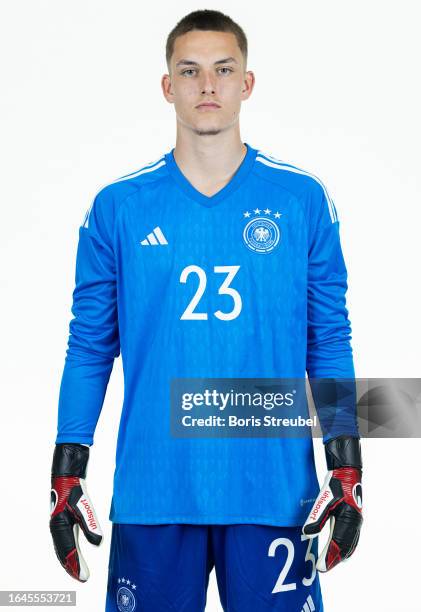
(207, 67)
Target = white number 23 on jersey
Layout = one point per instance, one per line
(224, 289)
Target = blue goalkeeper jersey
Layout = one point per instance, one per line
(249, 282)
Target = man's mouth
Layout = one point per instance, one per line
(208, 105)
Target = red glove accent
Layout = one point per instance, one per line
(71, 508)
(340, 500)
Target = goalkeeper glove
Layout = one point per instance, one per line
(340, 500)
(71, 508)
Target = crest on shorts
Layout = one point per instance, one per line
(126, 600)
(261, 234)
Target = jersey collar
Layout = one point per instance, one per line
(240, 175)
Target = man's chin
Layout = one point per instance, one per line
(203, 126)
(207, 128)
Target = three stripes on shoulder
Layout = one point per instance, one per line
(155, 238)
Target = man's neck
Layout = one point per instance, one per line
(209, 162)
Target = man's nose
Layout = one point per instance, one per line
(208, 83)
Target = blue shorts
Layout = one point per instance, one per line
(155, 568)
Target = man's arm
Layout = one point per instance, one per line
(92, 346)
(94, 339)
(330, 364)
(330, 370)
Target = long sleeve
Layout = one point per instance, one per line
(330, 364)
(93, 342)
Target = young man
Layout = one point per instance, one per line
(215, 261)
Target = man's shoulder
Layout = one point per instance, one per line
(304, 185)
(291, 177)
(127, 184)
(109, 197)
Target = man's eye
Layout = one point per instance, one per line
(191, 71)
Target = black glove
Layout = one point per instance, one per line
(71, 508)
(340, 500)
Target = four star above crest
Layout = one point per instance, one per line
(266, 211)
(124, 581)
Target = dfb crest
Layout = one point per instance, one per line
(261, 235)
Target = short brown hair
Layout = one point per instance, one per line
(206, 20)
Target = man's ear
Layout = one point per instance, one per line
(167, 87)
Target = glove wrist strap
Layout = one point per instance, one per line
(70, 460)
(344, 451)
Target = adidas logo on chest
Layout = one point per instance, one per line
(155, 238)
